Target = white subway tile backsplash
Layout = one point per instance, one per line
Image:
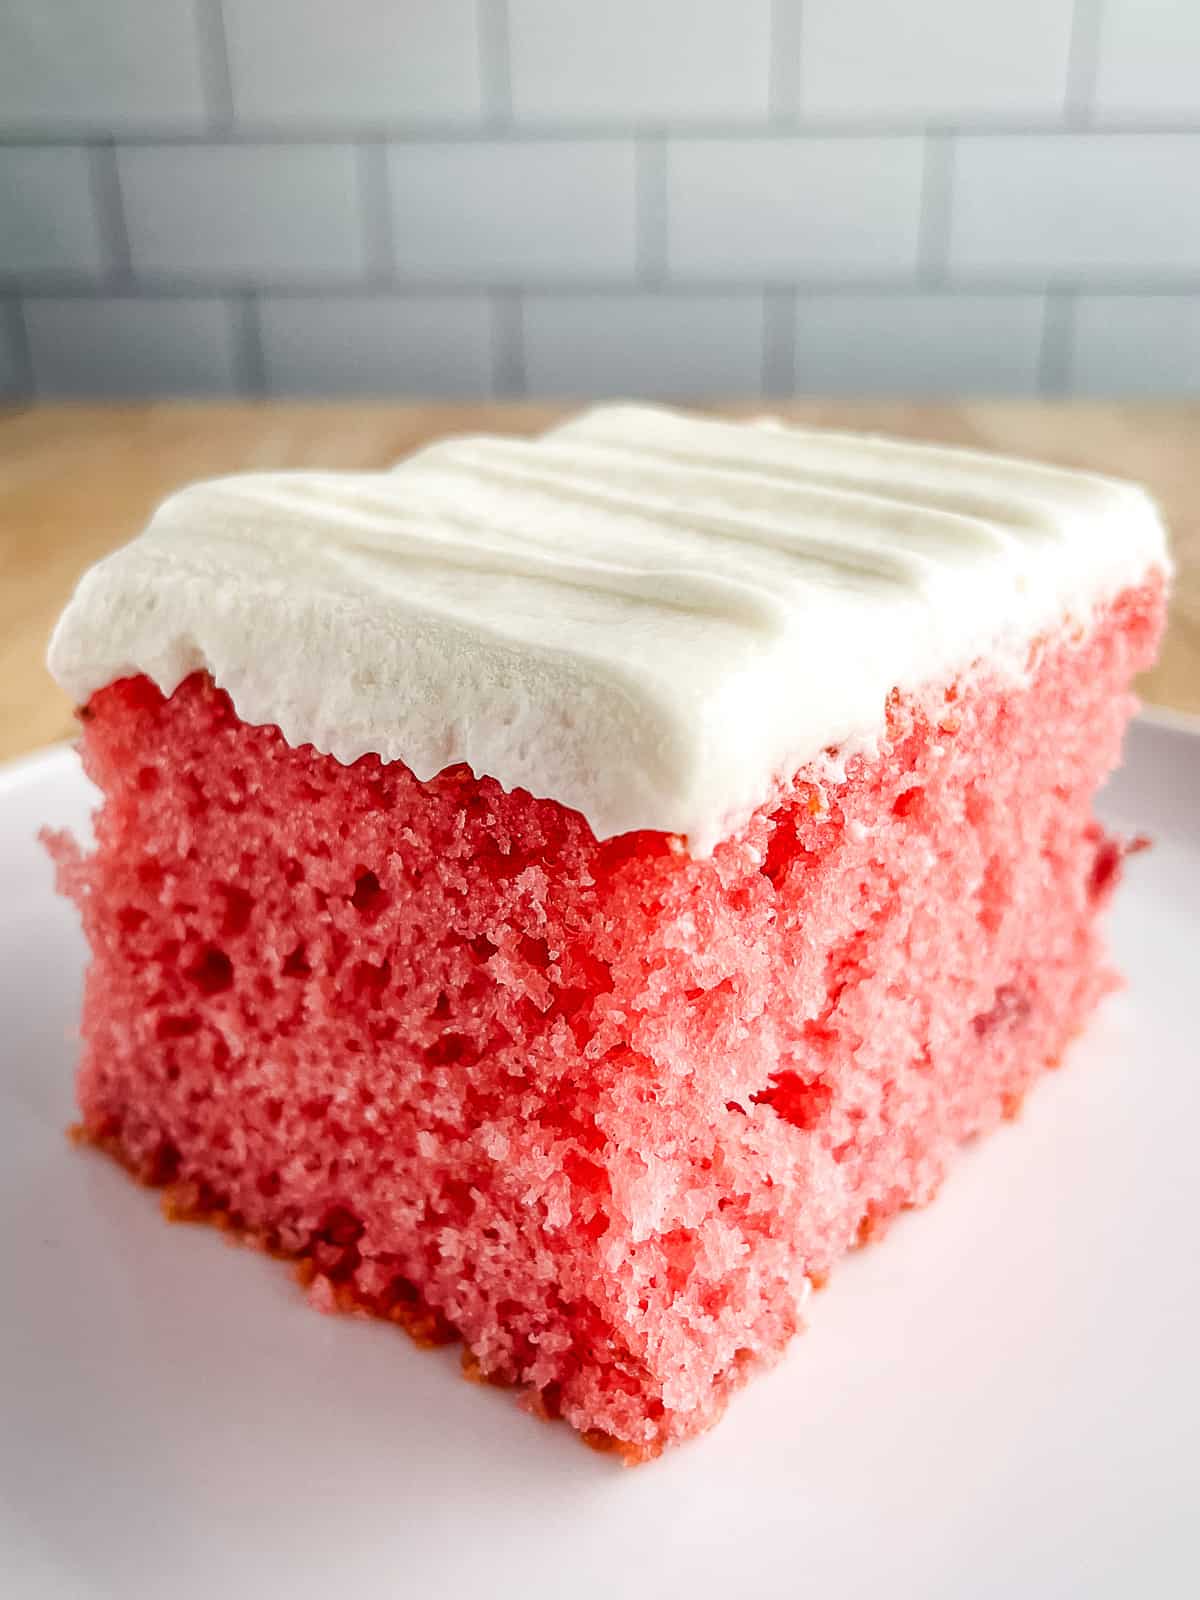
(494, 213)
(1135, 345)
(287, 213)
(919, 344)
(360, 61)
(100, 63)
(660, 345)
(671, 197)
(49, 222)
(779, 208)
(1149, 60)
(934, 59)
(122, 348)
(1086, 206)
(382, 345)
(646, 60)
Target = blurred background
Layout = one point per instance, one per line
(498, 198)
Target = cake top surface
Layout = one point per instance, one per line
(649, 616)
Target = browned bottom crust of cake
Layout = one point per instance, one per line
(405, 1307)
(407, 1310)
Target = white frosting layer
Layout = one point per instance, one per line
(648, 616)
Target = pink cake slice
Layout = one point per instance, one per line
(597, 1052)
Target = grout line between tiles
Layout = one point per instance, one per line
(508, 344)
(937, 183)
(105, 181)
(783, 81)
(251, 366)
(495, 63)
(501, 131)
(651, 206)
(1058, 326)
(779, 343)
(379, 245)
(1083, 60)
(214, 63)
(72, 287)
(18, 336)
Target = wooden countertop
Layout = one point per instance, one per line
(77, 480)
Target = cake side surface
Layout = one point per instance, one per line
(604, 1107)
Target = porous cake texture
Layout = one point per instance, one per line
(605, 1108)
(601, 1109)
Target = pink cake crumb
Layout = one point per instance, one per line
(601, 1110)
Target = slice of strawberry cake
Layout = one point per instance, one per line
(565, 893)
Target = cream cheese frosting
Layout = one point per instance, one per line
(648, 616)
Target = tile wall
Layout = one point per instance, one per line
(587, 197)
